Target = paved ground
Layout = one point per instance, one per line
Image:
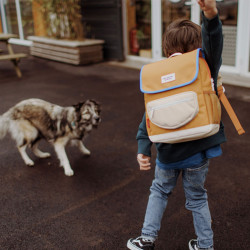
(103, 204)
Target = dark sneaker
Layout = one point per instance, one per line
(193, 245)
(140, 243)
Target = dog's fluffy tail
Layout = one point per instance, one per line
(4, 125)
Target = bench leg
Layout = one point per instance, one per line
(18, 71)
(15, 62)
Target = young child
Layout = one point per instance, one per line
(191, 159)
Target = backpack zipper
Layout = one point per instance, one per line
(170, 104)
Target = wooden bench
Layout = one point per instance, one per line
(13, 57)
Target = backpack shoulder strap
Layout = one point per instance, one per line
(230, 110)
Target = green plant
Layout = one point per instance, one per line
(62, 18)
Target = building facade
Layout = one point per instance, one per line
(145, 21)
(132, 29)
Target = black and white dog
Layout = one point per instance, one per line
(35, 119)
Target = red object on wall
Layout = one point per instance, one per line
(134, 44)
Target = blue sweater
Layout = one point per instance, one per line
(185, 154)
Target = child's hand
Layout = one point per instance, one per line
(208, 7)
(144, 162)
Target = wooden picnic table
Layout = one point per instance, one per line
(13, 57)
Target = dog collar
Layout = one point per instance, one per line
(73, 124)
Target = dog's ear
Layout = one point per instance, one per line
(96, 103)
(78, 106)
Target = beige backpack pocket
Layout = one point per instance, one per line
(174, 111)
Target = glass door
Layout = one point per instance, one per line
(146, 21)
(139, 28)
(26, 17)
(174, 9)
(228, 11)
(3, 19)
(17, 18)
(1, 27)
(249, 57)
(243, 41)
(11, 16)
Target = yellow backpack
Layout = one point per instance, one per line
(180, 100)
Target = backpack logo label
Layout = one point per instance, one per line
(168, 78)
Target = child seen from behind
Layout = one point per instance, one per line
(190, 159)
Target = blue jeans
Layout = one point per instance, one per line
(196, 201)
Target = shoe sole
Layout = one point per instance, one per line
(131, 246)
(189, 245)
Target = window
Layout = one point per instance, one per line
(27, 17)
(11, 16)
(228, 11)
(17, 17)
(1, 27)
(139, 27)
(174, 9)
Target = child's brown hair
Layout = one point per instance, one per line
(181, 36)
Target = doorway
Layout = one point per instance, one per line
(147, 19)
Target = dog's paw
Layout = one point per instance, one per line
(69, 172)
(86, 152)
(29, 163)
(45, 155)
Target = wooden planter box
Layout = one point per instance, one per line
(72, 52)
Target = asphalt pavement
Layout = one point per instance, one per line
(103, 204)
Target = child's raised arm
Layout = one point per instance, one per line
(208, 7)
(212, 38)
